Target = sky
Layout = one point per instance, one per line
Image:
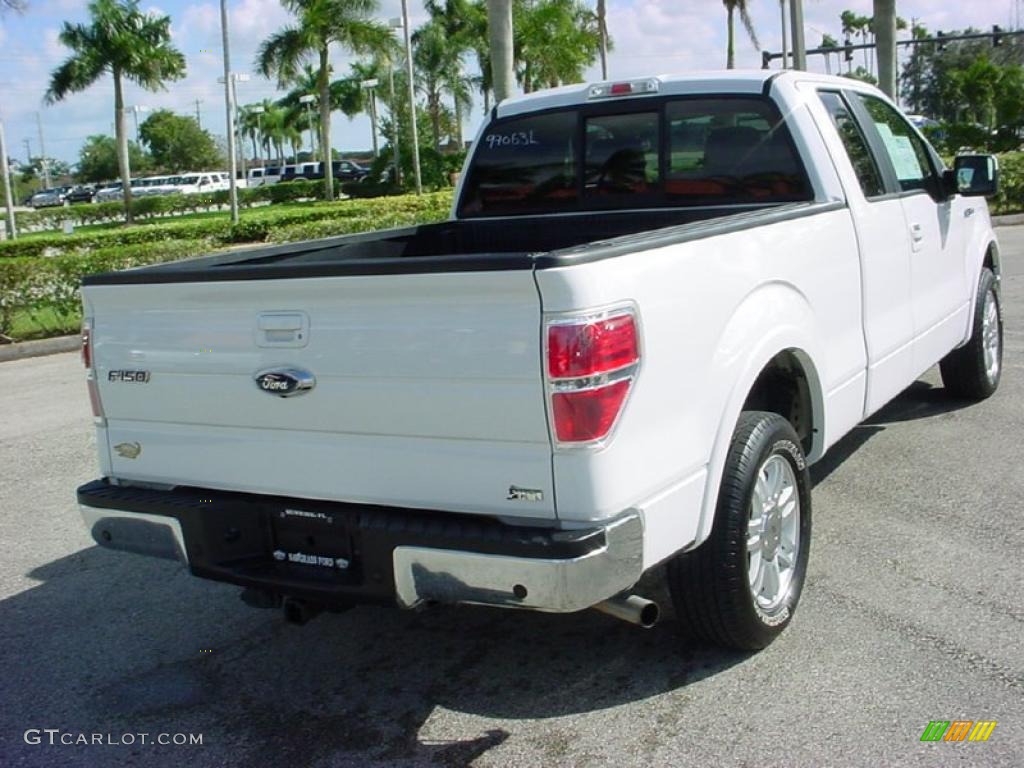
(649, 36)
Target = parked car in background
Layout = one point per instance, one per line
(343, 170)
(110, 192)
(83, 193)
(258, 177)
(192, 183)
(48, 198)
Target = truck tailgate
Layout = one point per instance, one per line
(428, 388)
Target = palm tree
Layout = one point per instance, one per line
(500, 39)
(830, 44)
(299, 116)
(129, 45)
(731, 6)
(437, 63)
(458, 20)
(555, 41)
(319, 24)
(885, 26)
(848, 20)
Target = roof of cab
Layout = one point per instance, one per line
(720, 81)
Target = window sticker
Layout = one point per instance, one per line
(901, 150)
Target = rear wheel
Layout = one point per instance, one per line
(973, 370)
(740, 587)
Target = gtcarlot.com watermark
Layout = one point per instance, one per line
(57, 737)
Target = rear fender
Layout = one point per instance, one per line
(744, 349)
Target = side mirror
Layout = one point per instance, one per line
(976, 175)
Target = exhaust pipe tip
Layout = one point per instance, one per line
(634, 609)
(299, 612)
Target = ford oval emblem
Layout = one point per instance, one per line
(285, 382)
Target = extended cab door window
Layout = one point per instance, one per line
(856, 145)
(525, 165)
(731, 150)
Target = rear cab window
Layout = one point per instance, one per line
(666, 152)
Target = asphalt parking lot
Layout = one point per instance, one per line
(912, 612)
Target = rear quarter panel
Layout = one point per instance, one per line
(713, 311)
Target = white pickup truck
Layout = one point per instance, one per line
(656, 302)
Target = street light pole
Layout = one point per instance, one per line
(135, 113)
(12, 227)
(42, 153)
(371, 85)
(230, 115)
(308, 99)
(412, 98)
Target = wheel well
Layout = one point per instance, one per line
(992, 259)
(783, 387)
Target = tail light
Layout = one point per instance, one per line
(592, 361)
(90, 372)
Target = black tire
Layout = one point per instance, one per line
(964, 371)
(710, 586)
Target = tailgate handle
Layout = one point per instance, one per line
(281, 322)
(282, 329)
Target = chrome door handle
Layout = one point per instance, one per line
(916, 232)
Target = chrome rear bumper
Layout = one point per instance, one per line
(389, 554)
(558, 585)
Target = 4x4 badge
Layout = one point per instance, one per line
(128, 450)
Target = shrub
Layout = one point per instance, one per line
(40, 275)
(38, 285)
(1011, 187)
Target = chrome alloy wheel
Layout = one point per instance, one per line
(990, 335)
(773, 533)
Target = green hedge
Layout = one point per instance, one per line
(40, 286)
(255, 226)
(158, 206)
(40, 276)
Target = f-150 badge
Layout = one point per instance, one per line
(285, 382)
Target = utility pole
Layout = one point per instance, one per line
(42, 153)
(230, 115)
(602, 30)
(785, 41)
(199, 115)
(28, 151)
(412, 98)
(12, 227)
(796, 8)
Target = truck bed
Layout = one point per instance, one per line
(525, 242)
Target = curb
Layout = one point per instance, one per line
(24, 349)
(1008, 220)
